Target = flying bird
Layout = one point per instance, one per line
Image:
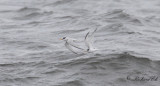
(70, 43)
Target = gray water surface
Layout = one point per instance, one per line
(31, 54)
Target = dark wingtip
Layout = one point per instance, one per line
(86, 35)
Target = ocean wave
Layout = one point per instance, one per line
(28, 9)
(22, 79)
(59, 2)
(33, 15)
(119, 15)
(72, 83)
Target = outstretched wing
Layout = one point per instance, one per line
(77, 47)
(69, 47)
(94, 32)
(72, 42)
(88, 40)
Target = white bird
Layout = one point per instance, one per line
(70, 43)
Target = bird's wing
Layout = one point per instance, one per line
(77, 47)
(72, 43)
(69, 47)
(88, 40)
(94, 32)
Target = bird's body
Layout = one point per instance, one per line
(71, 43)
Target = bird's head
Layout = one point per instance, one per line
(64, 38)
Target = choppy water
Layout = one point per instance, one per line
(31, 53)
